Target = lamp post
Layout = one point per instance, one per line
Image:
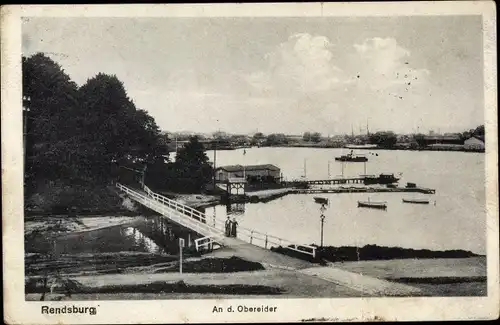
(322, 218)
(324, 202)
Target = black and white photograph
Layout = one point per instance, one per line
(254, 159)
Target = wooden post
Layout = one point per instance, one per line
(181, 245)
(215, 162)
(251, 236)
(265, 245)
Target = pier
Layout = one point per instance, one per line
(366, 189)
(211, 231)
(331, 181)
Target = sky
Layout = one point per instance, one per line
(332, 75)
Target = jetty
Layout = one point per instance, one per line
(364, 189)
(211, 231)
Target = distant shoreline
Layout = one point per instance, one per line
(325, 146)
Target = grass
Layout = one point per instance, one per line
(73, 287)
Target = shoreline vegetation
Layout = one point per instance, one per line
(373, 253)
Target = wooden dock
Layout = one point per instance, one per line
(332, 181)
(366, 190)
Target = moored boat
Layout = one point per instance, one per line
(351, 157)
(373, 205)
(416, 201)
(320, 200)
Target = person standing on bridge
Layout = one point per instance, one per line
(234, 225)
(228, 227)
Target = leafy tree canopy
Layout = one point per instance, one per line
(78, 133)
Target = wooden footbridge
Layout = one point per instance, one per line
(211, 230)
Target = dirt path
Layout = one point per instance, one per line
(362, 283)
(292, 284)
(249, 252)
(471, 267)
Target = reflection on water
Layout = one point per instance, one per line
(153, 235)
(235, 209)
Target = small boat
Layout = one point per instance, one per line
(351, 157)
(373, 205)
(320, 200)
(416, 201)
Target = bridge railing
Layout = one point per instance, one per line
(198, 221)
(172, 211)
(267, 241)
(186, 210)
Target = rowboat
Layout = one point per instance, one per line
(373, 205)
(416, 201)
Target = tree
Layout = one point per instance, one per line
(191, 168)
(316, 137)
(114, 128)
(306, 136)
(420, 140)
(76, 134)
(479, 132)
(276, 139)
(259, 136)
(50, 100)
(384, 139)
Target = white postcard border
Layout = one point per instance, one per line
(18, 311)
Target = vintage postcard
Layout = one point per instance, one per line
(239, 163)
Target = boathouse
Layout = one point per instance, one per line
(267, 171)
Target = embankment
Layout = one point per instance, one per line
(373, 252)
(58, 198)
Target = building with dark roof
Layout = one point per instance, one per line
(443, 139)
(267, 172)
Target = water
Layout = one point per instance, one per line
(457, 221)
(152, 235)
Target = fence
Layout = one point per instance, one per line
(268, 241)
(173, 210)
(197, 221)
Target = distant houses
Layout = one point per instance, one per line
(453, 143)
(443, 140)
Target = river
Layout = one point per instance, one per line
(456, 220)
